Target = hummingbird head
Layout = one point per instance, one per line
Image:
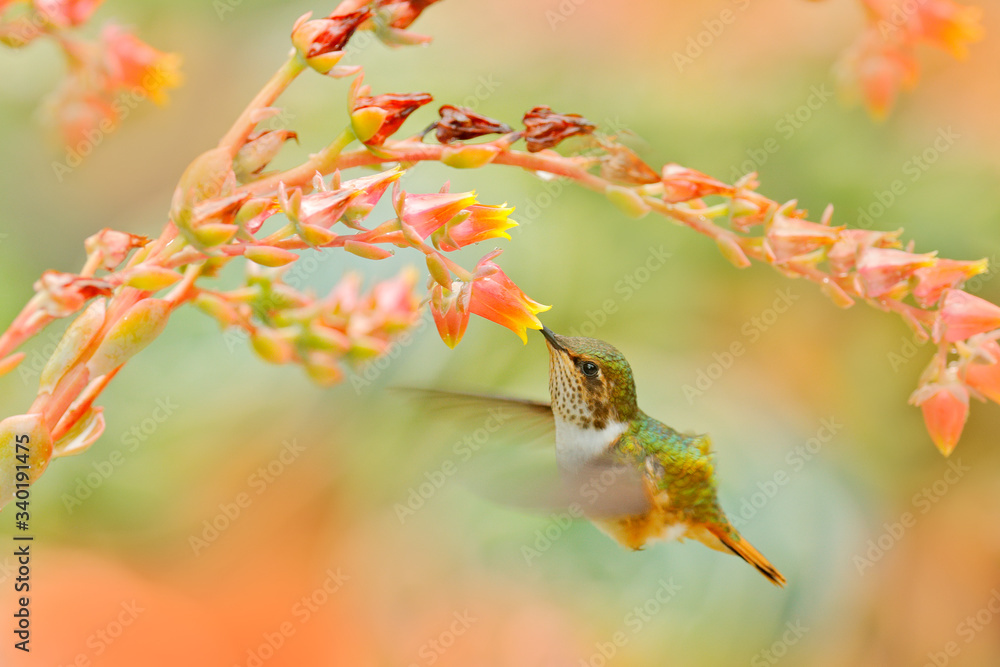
(590, 382)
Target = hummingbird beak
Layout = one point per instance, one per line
(551, 339)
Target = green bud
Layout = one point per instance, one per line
(469, 157)
(269, 256)
(72, 345)
(24, 440)
(152, 278)
(628, 200)
(132, 333)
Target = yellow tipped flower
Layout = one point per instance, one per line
(480, 222)
(132, 64)
(496, 297)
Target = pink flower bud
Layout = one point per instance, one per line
(963, 315)
(681, 184)
(789, 236)
(932, 281)
(984, 376)
(112, 247)
(945, 405)
(885, 272)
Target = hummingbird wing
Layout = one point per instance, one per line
(517, 415)
(528, 478)
(603, 487)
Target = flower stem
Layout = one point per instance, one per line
(237, 135)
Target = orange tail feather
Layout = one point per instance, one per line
(739, 546)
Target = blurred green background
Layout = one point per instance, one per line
(322, 567)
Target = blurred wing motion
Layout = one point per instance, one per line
(601, 488)
(517, 416)
(527, 477)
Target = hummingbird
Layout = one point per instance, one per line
(642, 479)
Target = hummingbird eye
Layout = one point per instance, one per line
(590, 369)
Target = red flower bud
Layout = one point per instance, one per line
(461, 124)
(544, 128)
(395, 107)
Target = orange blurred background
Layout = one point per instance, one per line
(251, 518)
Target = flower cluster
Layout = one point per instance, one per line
(105, 78)
(226, 206)
(883, 59)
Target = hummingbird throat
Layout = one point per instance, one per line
(586, 421)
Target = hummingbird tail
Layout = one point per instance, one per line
(734, 542)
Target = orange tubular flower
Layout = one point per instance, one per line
(131, 63)
(481, 223)
(426, 213)
(450, 309)
(945, 405)
(948, 26)
(496, 298)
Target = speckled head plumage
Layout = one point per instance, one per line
(590, 382)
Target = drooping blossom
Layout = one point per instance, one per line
(495, 297)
